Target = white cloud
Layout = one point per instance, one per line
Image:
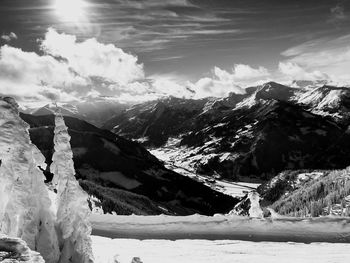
(28, 75)
(223, 82)
(9, 37)
(246, 72)
(296, 72)
(330, 57)
(337, 14)
(91, 58)
(70, 70)
(169, 85)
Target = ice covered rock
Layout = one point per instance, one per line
(255, 209)
(72, 206)
(249, 206)
(24, 206)
(136, 260)
(15, 250)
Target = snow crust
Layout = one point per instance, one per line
(72, 206)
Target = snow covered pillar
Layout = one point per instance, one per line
(24, 199)
(72, 207)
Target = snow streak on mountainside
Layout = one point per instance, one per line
(24, 206)
(73, 212)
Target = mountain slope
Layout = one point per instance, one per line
(117, 167)
(154, 122)
(267, 138)
(328, 101)
(308, 193)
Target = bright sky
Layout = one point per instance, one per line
(138, 49)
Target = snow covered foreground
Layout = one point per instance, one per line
(231, 239)
(220, 251)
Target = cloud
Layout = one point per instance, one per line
(71, 70)
(154, 25)
(223, 82)
(337, 14)
(169, 86)
(246, 72)
(91, 58)
(321, 57)
(68, 70)
(296, 72)
(9, 37)
(26, 75)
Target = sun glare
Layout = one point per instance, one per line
(70, 10)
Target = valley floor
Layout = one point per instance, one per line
(181, 160)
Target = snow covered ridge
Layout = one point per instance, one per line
(25, 207)
(224, 227)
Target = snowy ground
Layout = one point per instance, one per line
(220, 239)
(222, 251)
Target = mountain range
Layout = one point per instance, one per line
(270, 128)
(269, 131)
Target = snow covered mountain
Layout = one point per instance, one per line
(153, 122)
(123, 175)
(328, 101)
(96, 111)
(270, 128)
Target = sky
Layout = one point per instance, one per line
(136, 50)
